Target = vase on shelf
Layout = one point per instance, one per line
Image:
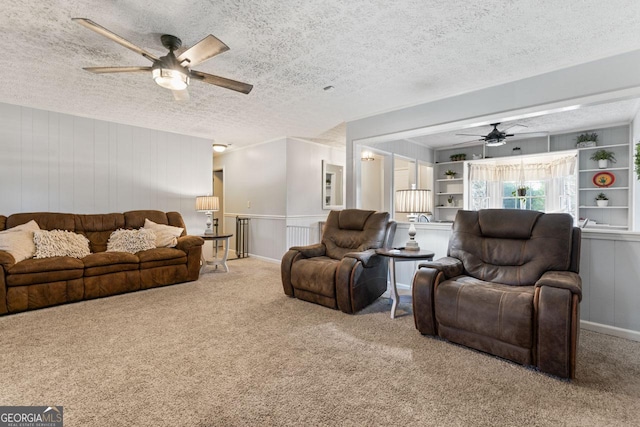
(602, 164)
(602, 203)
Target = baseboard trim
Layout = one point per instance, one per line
(610, 330)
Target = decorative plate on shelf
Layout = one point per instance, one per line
(603, 179)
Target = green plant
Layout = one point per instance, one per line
(450, 172)
(602, 196)
(603, 155)
(584, 137)
(450, 199)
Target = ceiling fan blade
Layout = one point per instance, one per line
(469, 134)
(181, 95)
(514, 125)
(116, 38)
(222, 82)
(531, 134)
(104, 70)
(205, 49)
(472, 142)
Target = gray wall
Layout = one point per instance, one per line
(62, 163)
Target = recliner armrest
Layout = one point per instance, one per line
(368, 258)
(450, 267)
(310, 251)
(563, 280)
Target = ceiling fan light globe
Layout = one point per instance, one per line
(219, 148)
(170, 79)
(495, 142)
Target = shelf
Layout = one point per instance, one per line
(448, 207)
(599, 147)
(603, 207)
(450, 163)
(449, 180)
(601, 170)
(603, 188)
(449, 194)
(621, 227)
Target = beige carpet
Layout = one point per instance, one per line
(233, 350)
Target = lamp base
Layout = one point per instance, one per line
(411, 245)
(208, 232)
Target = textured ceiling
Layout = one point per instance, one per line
(378, 55)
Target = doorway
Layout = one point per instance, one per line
(218, 190)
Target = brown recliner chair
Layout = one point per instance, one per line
(509, 286)
(343, 271)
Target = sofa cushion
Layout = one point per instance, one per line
(109, 262)
(33, 271)
(18, 241)
(98, 228)
(538, 243)
(56, 243)
(135, 219)
(131, 241)
(501, 312)
(354, 230)
(316, 275)
(46, 220)
(159, 257)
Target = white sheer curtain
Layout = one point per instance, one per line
(553, 172)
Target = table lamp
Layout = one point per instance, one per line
(208, 204)
(414, 201)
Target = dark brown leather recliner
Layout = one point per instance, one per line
(343, 271)
(509, 286)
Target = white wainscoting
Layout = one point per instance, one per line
(61, 163)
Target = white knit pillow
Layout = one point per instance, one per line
(131, 241)
(166, 235)
(60, 243)
(18, 241)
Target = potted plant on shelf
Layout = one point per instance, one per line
(637, 160)
(603, 157)
(450, 174)
(450, 201)
(602, 200)
(586, 140)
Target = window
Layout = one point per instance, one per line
(546, 184)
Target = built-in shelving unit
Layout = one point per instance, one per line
(614, 138)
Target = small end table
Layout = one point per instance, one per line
(216, 261)
(401, 255)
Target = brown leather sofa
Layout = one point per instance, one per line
(343, 271)
(36, 283)
(509, 286)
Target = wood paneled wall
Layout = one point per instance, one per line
(62, 163)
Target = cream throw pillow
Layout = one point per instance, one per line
(60, 243)
(131, 241)
(18, 241)
(166, 235)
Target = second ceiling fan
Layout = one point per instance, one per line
(499, 137)
(171, 71)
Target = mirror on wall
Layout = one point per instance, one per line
(332, 186)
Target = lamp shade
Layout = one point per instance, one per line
(413, 201)
(207, 203)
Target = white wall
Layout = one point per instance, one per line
(62, 163)
(281, 181)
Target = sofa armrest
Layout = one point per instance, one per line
(450, 267)
(310, 251)
(6, 259)
(368, 258)
(563, 280)
(187, 242)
